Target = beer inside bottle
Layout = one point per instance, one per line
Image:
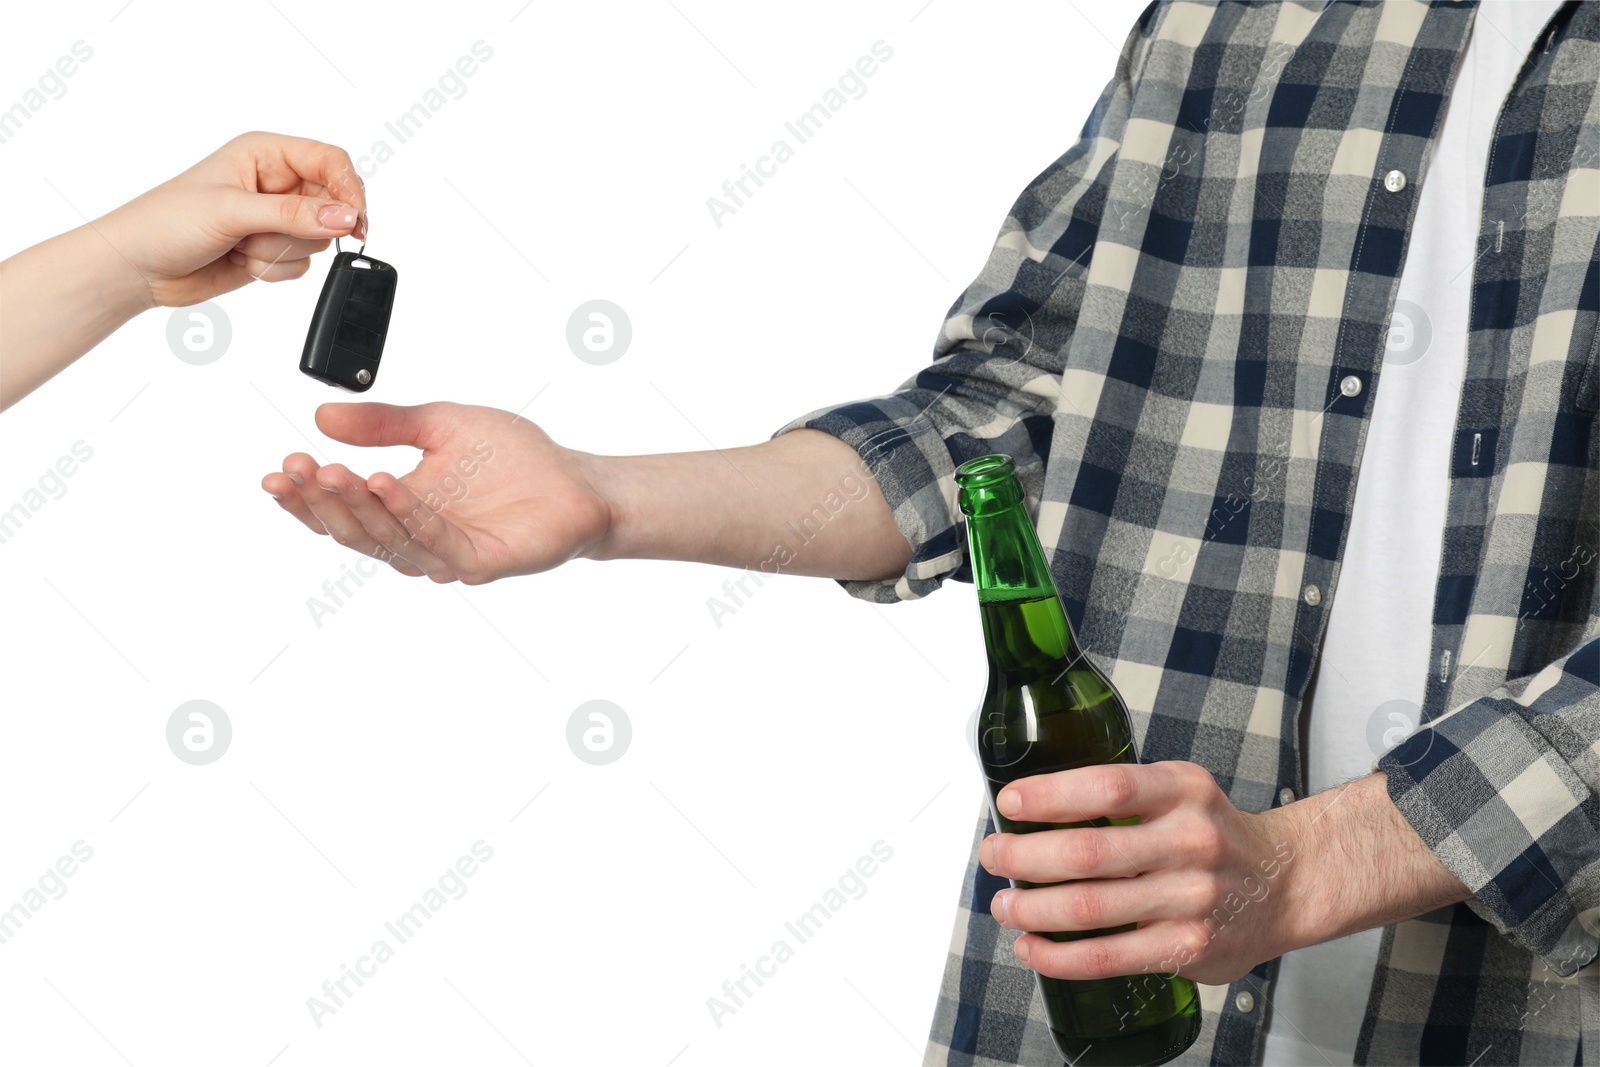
(1048, 709)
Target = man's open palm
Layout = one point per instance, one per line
(492, 496)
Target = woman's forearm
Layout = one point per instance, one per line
(58, 300)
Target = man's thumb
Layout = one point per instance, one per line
(375, 425)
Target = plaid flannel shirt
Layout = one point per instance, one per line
(1158, 338)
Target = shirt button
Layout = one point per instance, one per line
(1313, 595)
(1350, 386)
(1245, 1002)
(1394, 181)
(1286, 795)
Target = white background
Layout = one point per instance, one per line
(371, 752)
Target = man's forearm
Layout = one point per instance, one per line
(802, 503)
(1358, 864)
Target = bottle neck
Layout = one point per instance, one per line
(1025, 628)
(1007, 560)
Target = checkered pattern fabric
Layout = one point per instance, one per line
(1158, 339)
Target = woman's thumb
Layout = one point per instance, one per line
(309, 217)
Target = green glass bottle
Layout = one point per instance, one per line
(1048, 709)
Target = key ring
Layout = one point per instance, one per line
(366, 232)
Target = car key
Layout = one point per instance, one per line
(345, 342)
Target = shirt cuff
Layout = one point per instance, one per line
(1508, 815)
(902, 451)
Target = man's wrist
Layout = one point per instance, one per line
(1357, 865)
(605, 477)
(1302, 911)
(647, 516)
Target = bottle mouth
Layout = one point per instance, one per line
(987, 485)
(984, 469)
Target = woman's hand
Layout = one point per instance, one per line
(256, 209)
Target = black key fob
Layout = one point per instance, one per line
(345, 342)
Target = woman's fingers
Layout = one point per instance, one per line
(279, 248)
(285, 164)
(242, 213)
(290, 185)
(277, 270)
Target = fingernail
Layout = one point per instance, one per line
(1022, 949)
(337, 216)
(986, 853)
(1000, 907)
(275, 496)
(329, 488)
(295, 478)
(1009, 802)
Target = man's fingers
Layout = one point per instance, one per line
(1096, 904)
(377, 425)
(380, 526)
(1087, 852)
(1111, 791)
(336, 517)
(289, 499)
(435, 532)
(1157, 949)
(288, 496)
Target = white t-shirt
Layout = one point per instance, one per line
(1370, 678)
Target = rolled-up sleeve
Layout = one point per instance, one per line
(1505, 790)
(999, 357)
